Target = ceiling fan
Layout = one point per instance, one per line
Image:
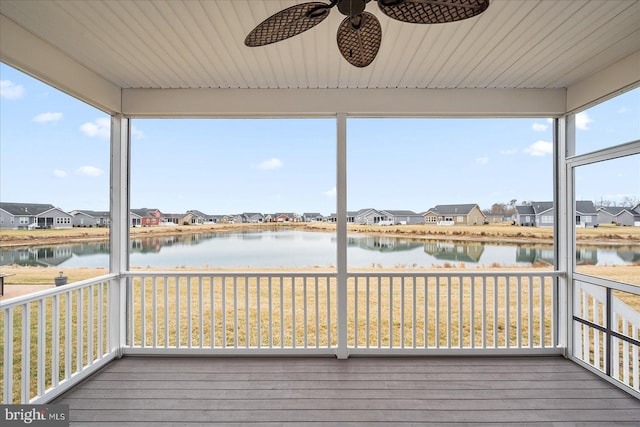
(359, 34)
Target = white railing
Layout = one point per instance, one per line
(607, 329)
(453, 312)
(53, 339)
(231, 312)
(240, 313)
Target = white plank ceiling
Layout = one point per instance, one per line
(524, 44)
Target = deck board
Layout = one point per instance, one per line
(357, 391)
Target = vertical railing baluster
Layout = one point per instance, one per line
(178, 338)
(402, 297)
(247, 317)
(472, 314)
(614, 352)
(530, 327)
(542, 308)
(131, 312)
(368, 313)
(413, 314)
(437, 312)
(189, 314)
(426, 312)
(258, 311)
(625, 353)
(154, 312)
(223, 281)
(379, 280)
(213, 310)
(281, 280)
(26, 355)
(519, 313)
(329, 312)
(390, 311)
(317, 314)
(293, 312)
(101, 351)
(586, 342)
(305, 308)
(449, 312)
(42, 348)
(355, 314)
(484, 312)
(200, 312)
(7, 368)
(496, 311)
(596, 335)
(635, 362)
(166, 311)
(270, 324)
(143, 312)
(460, 312)
(67, 335)
(80, 332)
(507, 308)
(235, 311)
(55, 339)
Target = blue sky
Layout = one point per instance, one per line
(55, 149)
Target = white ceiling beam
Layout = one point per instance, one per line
(21, 49)
(605, 84)
(355, 102)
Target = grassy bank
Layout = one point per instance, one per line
(495, 232)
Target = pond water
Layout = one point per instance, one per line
(296, 248)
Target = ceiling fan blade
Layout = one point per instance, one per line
(432, 11)
(359, 39)
(287, 23)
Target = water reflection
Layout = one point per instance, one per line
(295, 248)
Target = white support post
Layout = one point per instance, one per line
(341, 231)
(119, 232)
(565, 243)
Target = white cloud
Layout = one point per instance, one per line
(47, 117)
(10, 90)
(539, 127)
(331, 193)
(270, 164)
(100, 127)
(583, 120)
(539, 148)
(623, 110)
(550, 120)
(482, 160)
(89, 171)
(509, 152)
(136, 133)
(59, 173)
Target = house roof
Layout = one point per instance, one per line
(94, 214)
(29, 209)
(518, 57)
(538, 208)
(525, 210)
(143, 211)
(453, 209)
(399, 212)
(615, 210)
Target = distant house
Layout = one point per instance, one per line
(351, 217)
(177, 219)
(403, 217)
(312, 217)
(370, 216)
(495, 218)
(148, 217)
(194, 217)
(624, 216)
(252, 217)
(541, 214)
(33, 215)
(85, 218)
(287, 217)
(468, 214)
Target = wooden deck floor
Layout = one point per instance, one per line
(357, 391)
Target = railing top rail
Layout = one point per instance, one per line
(230, 273)
(607, 283)
(350, 274)
(470, 273)
(14, 302)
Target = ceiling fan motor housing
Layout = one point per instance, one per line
(351, 7)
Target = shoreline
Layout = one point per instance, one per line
(605, 235)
